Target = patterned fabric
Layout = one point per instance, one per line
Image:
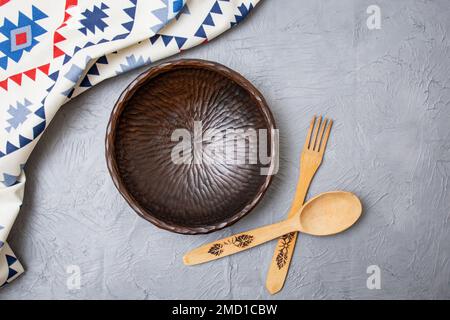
(51, 51)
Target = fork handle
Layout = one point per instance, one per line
(240, 242)
(282, 256)
(310, 160)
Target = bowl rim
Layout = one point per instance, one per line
(119, 106)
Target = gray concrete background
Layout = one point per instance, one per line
(389, 93)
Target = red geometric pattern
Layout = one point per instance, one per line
(21, 38)
(57, 37)
(17, 78)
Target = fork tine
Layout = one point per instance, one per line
(323, 145)
(308, 137)
(316, 129)
(320, 136)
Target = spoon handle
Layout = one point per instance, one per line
(239, 242)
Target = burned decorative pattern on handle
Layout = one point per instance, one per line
(240, 241)
(216, 249)
(283, 251)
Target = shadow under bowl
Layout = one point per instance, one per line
(185, 101)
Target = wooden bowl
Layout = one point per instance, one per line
(187, 198)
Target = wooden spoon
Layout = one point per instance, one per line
(326, 214)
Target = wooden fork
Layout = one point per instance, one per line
(311, 158)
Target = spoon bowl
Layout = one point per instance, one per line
(329, 213)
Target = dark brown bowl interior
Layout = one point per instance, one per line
(185, 198)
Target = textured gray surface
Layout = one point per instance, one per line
(389, 93)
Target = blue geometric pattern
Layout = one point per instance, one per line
(132, 63)
(167, 39)
(184, 10)
(94, 19)
(162, 14)
(177, 6)
(9, 179)
(10, 263)
(208, 20)
(131, 12)
(74, 73)
(244, 12)
(93, 71)
(19, 114)
(11, 260)
(171, 9)
(21, 36)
